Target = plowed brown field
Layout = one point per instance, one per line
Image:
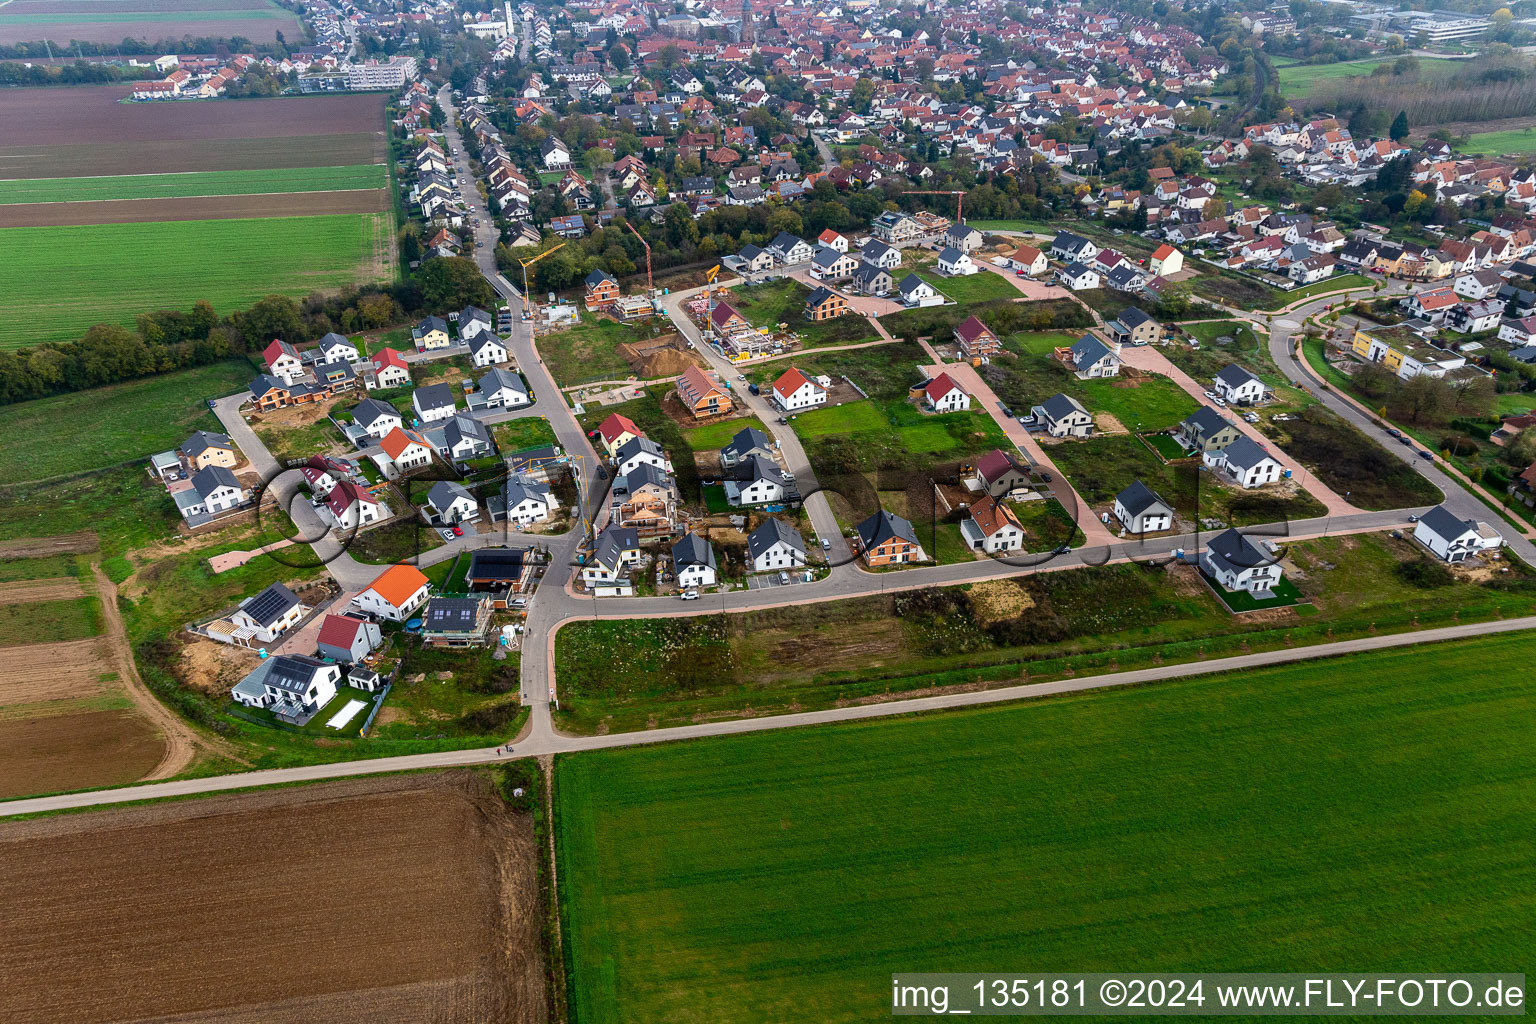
(136, 211)
(410, 898)
(60, 588)
(80, 750)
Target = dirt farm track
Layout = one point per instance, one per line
(135, 211)
(399, 898)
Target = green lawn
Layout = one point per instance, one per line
(51, 437)
(528, 432)
(60, 280)
(1337, 283)
(588, 351)
(46, 567)
(1375, 810)
(849, 418)
(192, 183)
(978, 287)
(1513, 403)
(1283, 594)
(1517, 142)
(1155, 403)
(1166, 446)
(717, 435)
(1039, 343)
(1298, 79)
(1038, 227)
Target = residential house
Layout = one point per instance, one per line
(476, 323)
(991, 526)
(915, 292)
(614, 553)
(789, 250)
(962, 237)
(976, 340)
(268, 615)
(1472, 317)
(640, 451)
(1206, 430)
(376, 418)
(752, 260)
(702, 396)
(1519, 333)
(887, 539)
(1453, 539)
(334, 348)
(389, 369)
(1063, 416)
(294, 688)
(347, 506)
(645, 498)
(748, 442)
(433, 402)
(1142, 510)
(832, 240)
(1078, 276)
(401, 451)
(944, 394)
(456, 621)
(954, 263)
(1237, 386)
(794, 391)
(283, 362)
(726, 323)
(1069, 247)
(1002, 473)
(831, 265)
(395, 593)
(347, 639)
(503, 389)
(486, 349)
(498, 571)
(1165, 261)
(870, 279)
(1030, 260)
(1245, 463)
(693, 562)
(1091, 359)
(214, 491)
(824, 304)
(206, 448)
(615, 430)
(449, 503)
(1134, 327)
(524, 502)
(1233, 561)
(461, 438)
(880, 254)
(775, 545)
(755, 480)
(431, 333)
(893, 227)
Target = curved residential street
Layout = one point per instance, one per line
(555, 603)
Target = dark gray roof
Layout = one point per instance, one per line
(371, 409)
(1076, 269)
(1236, 551)
(883, 526)
(756, 468)
(451, 614)
(747, 439)
(332, 338)
(910, 282)
(638, 446)
(827, 258)
(949, 254)
(483, 339)
(496, 378)
(1131, 317)
(206, 481)
(292, 673)
(1070, 242)
(769, 533)
(1244, 453)
(1445, 523)
(692, 550)
(1233, 375)
(1060, 405)
(201, 441)
(1207, 420)
(430, 323)
(433, 396)
(867, 272)
(444, 492)
(460, 427)
(1088, 351)
(495, 563)
(614, 541)
(271, 604)
(1138, 498)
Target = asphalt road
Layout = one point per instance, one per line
(551, 743)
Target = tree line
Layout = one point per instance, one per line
(166, 340)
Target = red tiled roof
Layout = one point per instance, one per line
(397, 583)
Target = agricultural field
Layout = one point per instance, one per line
(436, 876)
(290, 255)
(117, 424)
(619, 676)
(825, 855)
(1517, 142)
(219, 201)
(68, 718)
(111, 21)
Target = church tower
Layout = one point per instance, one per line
(747, 30)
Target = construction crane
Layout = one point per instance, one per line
(649, 288)
(527, 314)
(959, 200)
(709, 284)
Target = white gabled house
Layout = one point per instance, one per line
(794, 391)
(775, 545)
(1453, 539)
(1237, 386)
(1142, 510)
(693, 562)
(1233, 561)
(395, 593)
(943, 394)
(348, 506)
(486, 349)
(503, 389)
(1245, 463)
(954, 263)
(269, 614)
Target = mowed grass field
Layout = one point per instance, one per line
(192, 183)
(1518, 141)
(89, 430)
(60, 280)
(1377, 810)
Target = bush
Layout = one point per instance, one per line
(520, 775)
(1458, 444)
(1424, 574)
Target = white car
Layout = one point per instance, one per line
(689, 595)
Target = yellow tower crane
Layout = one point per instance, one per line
(527, 314)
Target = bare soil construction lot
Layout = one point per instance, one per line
(140, 211)
(401, 898)
(86, 131)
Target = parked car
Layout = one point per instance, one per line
(1427, 455)
(446, 533)
(602, 474)
(826, 545)
(1405, 439)
(458, 531)
(1413, 519)
(689, 595)
(1394, 432)
(783, 579)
